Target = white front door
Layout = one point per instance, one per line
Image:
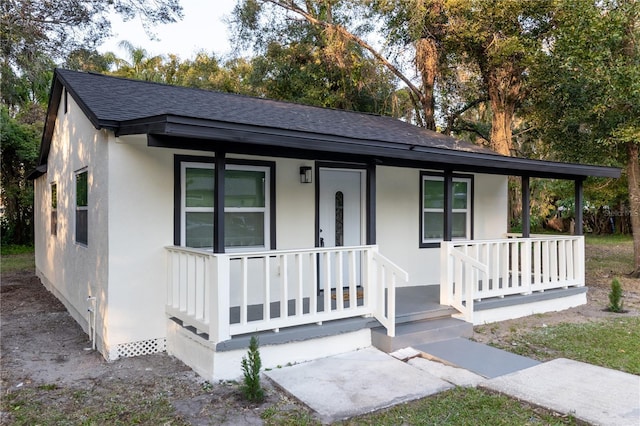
(340, 217)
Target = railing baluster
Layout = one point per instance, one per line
(553, 259)
(244, 289)
(537, 263)
(503, 282)
(300, 285)
(266, 311)
(284, 293)
(313, 299)
(525, 268)
(200, 285)
(353, 292)
(546, 263)
(515, 264)
(340, 281)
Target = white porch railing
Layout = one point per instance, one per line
(476, 270)
(229, 294)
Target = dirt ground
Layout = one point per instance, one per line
(43, 349)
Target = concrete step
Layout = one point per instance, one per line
(481, 359)
(420, 332)
(421, 315)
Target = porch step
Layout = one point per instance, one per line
(433, 313)
(420, 332)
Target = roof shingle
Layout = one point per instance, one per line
(116, 100)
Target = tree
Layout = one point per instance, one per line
(56, 27)
(495, 39)
(34, 36)
(140, 66)
(19, 144)
(586, 96)
(500, 38)
(90, 60)
(314, 59)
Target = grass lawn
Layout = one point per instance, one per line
(455, 407)
(17, 258)
(463, 406)
(612, 343)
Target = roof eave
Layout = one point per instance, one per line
(203, 130)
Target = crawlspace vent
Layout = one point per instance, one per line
(143, 347)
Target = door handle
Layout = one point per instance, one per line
(321, 242)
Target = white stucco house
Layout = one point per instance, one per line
(170, 218)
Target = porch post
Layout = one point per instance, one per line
(526, 208)
(218, 211)
(371, 205)
(578, 229)
(448, 205)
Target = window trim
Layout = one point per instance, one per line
(183, 191)
(426, 175)
(78, 208)
(269, 167)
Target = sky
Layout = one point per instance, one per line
(201, 28)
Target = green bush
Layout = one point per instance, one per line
(251, 364)
(615, 297)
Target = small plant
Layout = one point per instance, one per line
(48, 387)
(615, 297)
(252, 389)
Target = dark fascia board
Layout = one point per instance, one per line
(37, 172)
(55, 94)
(181, 132)
(55, 97)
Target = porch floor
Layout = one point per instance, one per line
(412, 304)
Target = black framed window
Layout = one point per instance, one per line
(248, 204)
(82, 207)
(54, 208)
(433, 204)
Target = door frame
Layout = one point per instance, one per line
(367, 202)
(365, 207)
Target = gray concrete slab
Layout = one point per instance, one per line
(481, 359)
(355, 383)
(593, 394)
(453, 375)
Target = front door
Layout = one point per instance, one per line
(340, 218)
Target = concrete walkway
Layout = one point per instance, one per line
(596, 395)
(484, 360)
(355, 383)
(359, 382)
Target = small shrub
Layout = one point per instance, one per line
(251, 364)
(615, 297)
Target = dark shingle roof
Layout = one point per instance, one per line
(180, 117)
(113, 100)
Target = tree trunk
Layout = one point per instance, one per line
(427, 64)
(633, 175)
(504, 90)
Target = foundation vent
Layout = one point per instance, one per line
(143, 347)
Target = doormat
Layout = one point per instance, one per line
(345, 295)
